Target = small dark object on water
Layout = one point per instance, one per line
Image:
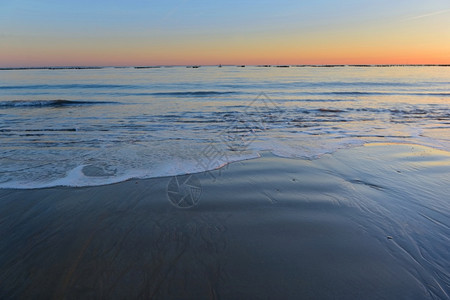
(389, 237)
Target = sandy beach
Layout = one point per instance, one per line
(369, 222)
(225, 150)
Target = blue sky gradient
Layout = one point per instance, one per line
(79, 32)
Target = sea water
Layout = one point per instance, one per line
(94, 126)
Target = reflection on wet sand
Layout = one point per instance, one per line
(366, 222)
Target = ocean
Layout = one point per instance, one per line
(95, 126)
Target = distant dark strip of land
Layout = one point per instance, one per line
(197, 66)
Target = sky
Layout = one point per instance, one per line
(204, 32)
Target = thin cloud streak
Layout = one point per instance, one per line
(427, 15)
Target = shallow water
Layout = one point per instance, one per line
(80, 127)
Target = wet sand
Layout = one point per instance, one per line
(370, 222)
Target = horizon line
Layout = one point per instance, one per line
(220, 65)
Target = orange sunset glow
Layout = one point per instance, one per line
(291, 34)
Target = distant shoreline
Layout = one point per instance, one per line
(238, 65)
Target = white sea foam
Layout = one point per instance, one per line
(77, 176)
